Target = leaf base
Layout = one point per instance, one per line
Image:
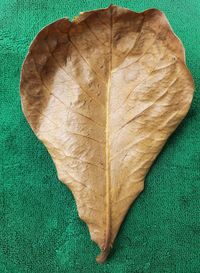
(103, 255)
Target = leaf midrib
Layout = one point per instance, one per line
(108, 179)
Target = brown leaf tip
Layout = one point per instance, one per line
(103, 256)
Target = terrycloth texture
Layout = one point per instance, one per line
(40, 231)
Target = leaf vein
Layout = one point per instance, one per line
(59, 65)
(94, 34)
(83, 161)
(73, 111)
(85, 60)
(82, 184)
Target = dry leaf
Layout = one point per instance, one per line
(104, 93)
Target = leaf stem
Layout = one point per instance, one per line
(103, 255)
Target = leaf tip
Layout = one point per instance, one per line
(101, 258)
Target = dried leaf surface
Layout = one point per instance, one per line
(104, 93)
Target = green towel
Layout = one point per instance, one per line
(40, 231)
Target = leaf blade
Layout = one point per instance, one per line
(104, 93)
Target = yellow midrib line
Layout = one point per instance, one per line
(108, 205)
(107, 169)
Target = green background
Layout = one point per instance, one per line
(40, 230)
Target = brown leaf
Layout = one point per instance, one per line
(103, 93)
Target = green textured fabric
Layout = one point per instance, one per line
(40, 230)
